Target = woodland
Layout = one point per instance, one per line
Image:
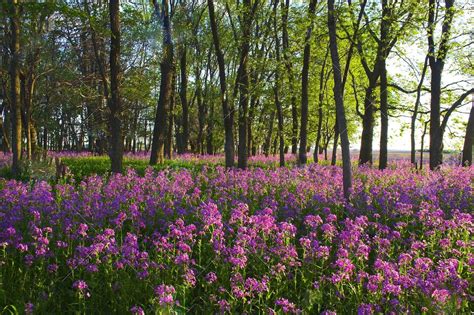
(236, 156)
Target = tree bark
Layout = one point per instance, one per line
(276, 89)
(210, 129)
(436, 62)
(383, 117)
(164, 100)
(384, 42)
(268, 138)
(466, 159)
(436, 150)
(28, 83)
(304, 87)
(451, 109)
(317, 146)
(338, 95)
(280, 126)
(285, 4)
(136, 115)
(168, 146)
(415, 114)
(15, 104)
(86, 70)
(5, 126)
(25, 115)
(243, 82)
(227, 112)
(5, 107)
(201, 119)
(335, 143)
(115, 106)
(320, 106)
(250, 140)
(145, 136)
(368, 125)
(422, 144)
(45, 139)
(184, 100)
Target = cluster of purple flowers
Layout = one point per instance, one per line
(232, 241)
(164, 293)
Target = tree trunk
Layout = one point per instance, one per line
(115, 107)
(28, 80)
(15, 104)
(277, 87)
(285, 4)
(6, 127)
(86, 71)
(164, 100)
(468, 139)
(209, 109)
(320, 106)
(338, 95)
(5, 107)
(210, 129)
(184, 100)
(294, 120)
(367, 126)
(202, 108)
(422, 144)
(275, 146)
(436, 62)
(145, 135)
(98, 46)
(168, 147)
(280, 126)
(383, 117)
(335, 143)
(304, 87)
(317, 147)
(26, 114)
(268, 139)
(136, 115)
(250, 140)
(227, 112)
(45, 139)
(384, 46)
(3, 138)
(201, 119)
(384, 42)
(436, 150)
(243, 83)
(34, 141)
(415, 114)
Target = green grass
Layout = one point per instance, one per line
(100, 165)
(38, 170)
(82, 167)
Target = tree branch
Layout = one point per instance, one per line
(453, 107)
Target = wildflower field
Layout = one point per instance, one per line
(236, 157)
(263, 240)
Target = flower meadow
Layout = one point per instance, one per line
(272, 241)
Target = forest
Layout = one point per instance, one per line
(321, 151)
(256, 77)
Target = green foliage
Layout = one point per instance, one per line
(69, 101)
